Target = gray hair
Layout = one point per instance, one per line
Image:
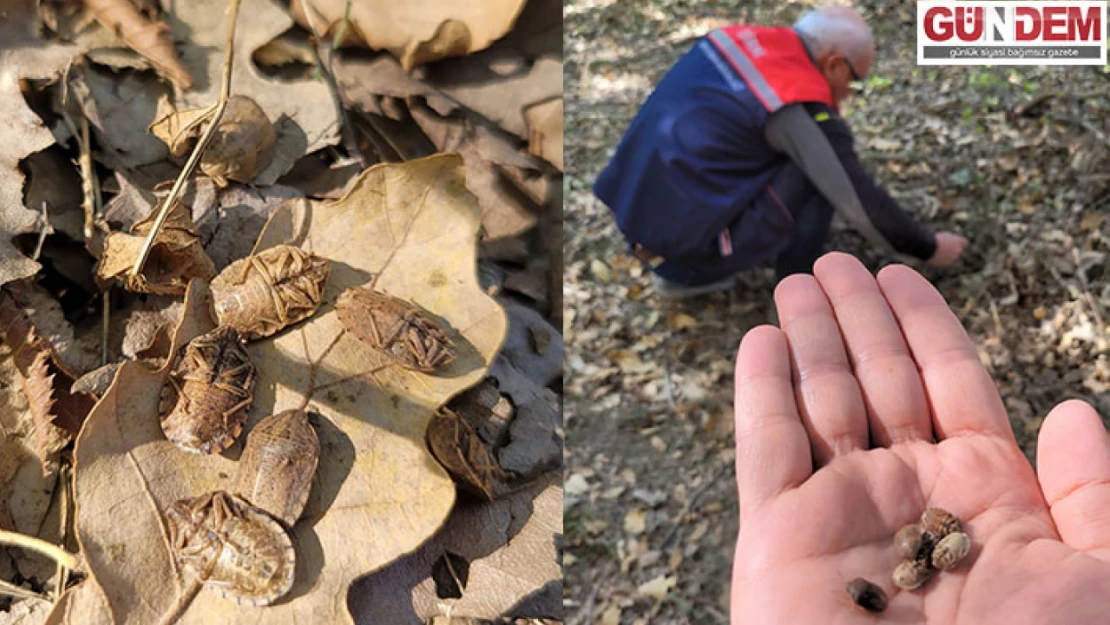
(835, 30)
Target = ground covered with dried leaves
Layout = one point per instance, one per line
(1013, 158)
(302, 364)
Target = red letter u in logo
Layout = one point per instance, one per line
(969, 23)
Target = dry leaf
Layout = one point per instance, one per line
(302, 110)
(635, 521)
(83, 604)
(414, 226)
(510, 550)
(241, 148)
(175, 258)
(49, 439)
(146, 33)
(47, 376)
(486, 154)
(533, 346)
(119, 109)
(657, 588)
(535, 437)
(545, 131)
(499, 85)
(414, 32)
(22, 56)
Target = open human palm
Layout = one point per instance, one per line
(869, 406)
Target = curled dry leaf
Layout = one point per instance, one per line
(241, 148)
(57, 411)
(22, 56)
(511, 548)
(50, 439)
(415, 226)
(145, 32)
(415, 32)
(176, 257)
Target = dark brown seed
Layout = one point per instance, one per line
(910, 574)
(908, 541)
(939, 522)
(278, 463)
(238, 550)
(206, 396)
(401, 330)
(262, 294)
(866, 595)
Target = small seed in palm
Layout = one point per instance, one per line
(866, 595)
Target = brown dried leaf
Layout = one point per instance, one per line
(414, 225)
(486, 155)
(22, 55)
(175, 258)
(34, 356)
(545, 131)
(511, 548)
(83, 604)
(499, 85)
(302, 110)
(414, 32)
(145, 33)
(49, 439)
(241, 148)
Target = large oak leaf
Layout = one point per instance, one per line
(378, 494)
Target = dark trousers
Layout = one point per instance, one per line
(790, 191)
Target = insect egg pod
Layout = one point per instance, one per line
(908, 541)
(207, 394)
(401, 330)
(278, 464)
(951, 550)
(866, 595)
(911, 574)
(939, 522)
(269, 291)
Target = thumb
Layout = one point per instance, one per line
(1073, 466)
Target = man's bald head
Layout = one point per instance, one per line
(836, 30)
(838, 37)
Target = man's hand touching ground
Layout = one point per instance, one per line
(870, 405)
(949, 248)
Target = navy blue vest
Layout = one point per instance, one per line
(690, 164)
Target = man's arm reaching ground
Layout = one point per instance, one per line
(825, 152)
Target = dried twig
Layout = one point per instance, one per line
(42, 233)
(194, 158)
(326, 67)
(63, 570)
(40, 546)
(7, 588)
